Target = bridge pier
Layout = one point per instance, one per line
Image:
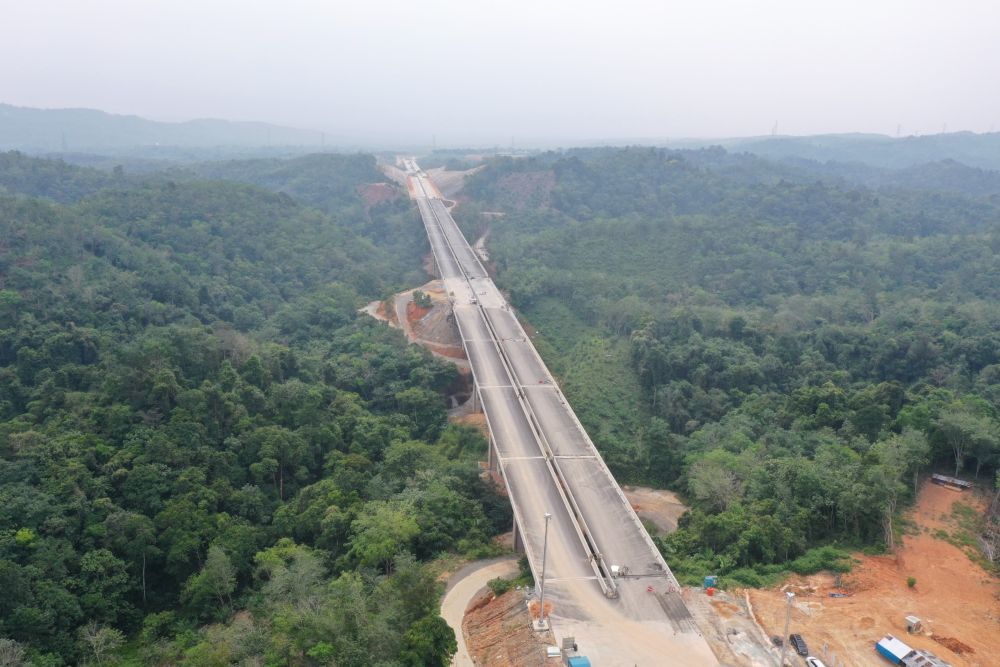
(491, 456)
(518, 539)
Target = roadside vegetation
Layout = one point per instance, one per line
(207, 456)
(791, 348)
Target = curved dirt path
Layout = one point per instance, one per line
(461, 588)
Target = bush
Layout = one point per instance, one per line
(158, 625)
(499, 586)
(745, 577)
(821, 558)
(911, 582)
(422, 299)
(524, 576)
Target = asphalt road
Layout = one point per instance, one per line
(550, 465)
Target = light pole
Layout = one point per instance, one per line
(542, 625)
(789, 596)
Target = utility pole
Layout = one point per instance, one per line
(789, 596)
(542, 625)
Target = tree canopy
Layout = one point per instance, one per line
(206, 454)
(782, 345)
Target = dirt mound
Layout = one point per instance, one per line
(414, 312)
(436, 324)
(953, 644)
(433, 328)
(500, 635)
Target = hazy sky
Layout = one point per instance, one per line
(484, 71)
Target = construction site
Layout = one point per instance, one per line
(951, 611)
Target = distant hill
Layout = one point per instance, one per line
(59, 181)
(81, 130)
(974, 150)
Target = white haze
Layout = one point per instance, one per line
(478, 71)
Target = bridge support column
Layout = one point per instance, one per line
(491, 456)
(518, 540)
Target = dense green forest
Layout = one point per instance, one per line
(207, 456)
(784, 346)
(969, 148)
(330, 183)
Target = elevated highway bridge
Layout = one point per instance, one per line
(549, 465)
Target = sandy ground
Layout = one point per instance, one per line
(431, 328)
(729, 626)
(463, 586)
(450, 183)
(661, 508)
(958, 602)
(376, 309)
(395, 173)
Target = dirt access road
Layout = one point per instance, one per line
(660, 507)
(955, 598)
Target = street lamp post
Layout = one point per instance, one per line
(789, 596)
(542, 625)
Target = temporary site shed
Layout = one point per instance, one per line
(892, 649)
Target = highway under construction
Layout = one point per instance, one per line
(605, 578)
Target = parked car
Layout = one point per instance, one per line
(814, 662)
(798, 644)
